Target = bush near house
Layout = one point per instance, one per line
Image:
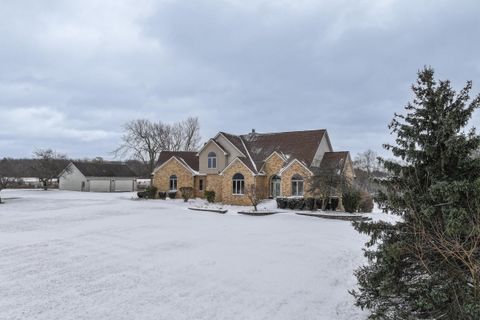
(210, 195)
(187, 193)
(172, 194)
(162, 195)
(351, 200)
(141, 194)
(150, 192)
(366, 202)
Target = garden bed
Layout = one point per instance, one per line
(337, 216)
(209, 210)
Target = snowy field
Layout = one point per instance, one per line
(71, 255)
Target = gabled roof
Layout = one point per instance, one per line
(190, 158)
(257, 147)
(104, 169)
(334, 161)
(215, 143)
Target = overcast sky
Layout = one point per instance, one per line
(72, 72)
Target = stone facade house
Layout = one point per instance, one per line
(280, 164)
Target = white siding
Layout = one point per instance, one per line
(124, 185)
(323, 147)
(72, 180)
(99, 185)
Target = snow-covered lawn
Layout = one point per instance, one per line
(71, 255)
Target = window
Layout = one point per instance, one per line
(173, 182)
(212, 160)
(297, 185)
(238, 184)
(200, 184)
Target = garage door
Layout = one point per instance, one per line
(123, 185)
(100, 185)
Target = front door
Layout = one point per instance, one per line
(275, 187)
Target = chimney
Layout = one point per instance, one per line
(253, 131)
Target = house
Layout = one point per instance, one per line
(97, 177)
(279, 164)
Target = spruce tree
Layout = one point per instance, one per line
(427, 266)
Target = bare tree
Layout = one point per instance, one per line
(144, 140)
(329, 182)
(253, 194)
(5, 175)
(49, 164)
(366, 164)
(191, 133)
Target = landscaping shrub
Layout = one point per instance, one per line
(366, 202)
(150, 192)
(351, 200)
(309, 204)
(172, 194)
(187, 193)
(162, 195)
(281, 203)
(334, 204)
(319, 203)
(141, 194)
(210, 195)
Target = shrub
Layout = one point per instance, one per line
(281, 203)
(162, 195)
(366, 202)
(351, 200)
(210, 195)
(172, 194)
(187, 193)
(141, 194)
(150, 192)
(319, 203)
(309, 204)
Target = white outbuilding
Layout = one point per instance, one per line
(97, 177)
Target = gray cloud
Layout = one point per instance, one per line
(73, 72)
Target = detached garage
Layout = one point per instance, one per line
(98, 177)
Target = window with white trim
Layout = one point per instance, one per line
(212, 160)
(238, 184)
(173, 183)
(297, 185)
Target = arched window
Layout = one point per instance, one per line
(297, 185)
(238, 184)
(212, 160)
(173, 183)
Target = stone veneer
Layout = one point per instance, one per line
(271, 167)
(286, 183)
(161, 178)
(227, 186)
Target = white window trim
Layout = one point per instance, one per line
(237, 186)
(213, 159)
(296, 182)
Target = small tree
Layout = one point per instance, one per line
(329, 182)
(351, 199)
(187, 193)
(48, 165)
(254, 195)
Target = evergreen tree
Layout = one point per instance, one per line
(427, 266)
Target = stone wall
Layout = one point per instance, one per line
(287, 175)
(214, 182)
(227, 185)
(161, 178)
(271, 167)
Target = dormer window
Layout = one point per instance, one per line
(212, 160)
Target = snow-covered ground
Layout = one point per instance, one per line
(71, 255)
